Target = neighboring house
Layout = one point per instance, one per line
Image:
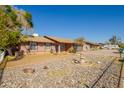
(87, 46)
(92, 45)
(62, 44)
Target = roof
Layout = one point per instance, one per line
(60, 40)
(38, 39)
(92, 43)
(87, 42)
(50, 39)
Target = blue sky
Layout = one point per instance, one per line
(94, 23)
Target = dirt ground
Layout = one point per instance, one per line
(59, 71)
(34, 59)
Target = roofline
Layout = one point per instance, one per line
(38, 41)
(50, 39)
(57, 41)
(92, 43)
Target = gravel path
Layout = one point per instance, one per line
(63, 73)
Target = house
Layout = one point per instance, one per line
(45, 44)
(87, 46)
(62, 44)
(92, 45)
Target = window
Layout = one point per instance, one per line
(33, 46)
(62, 47)
(47, 45)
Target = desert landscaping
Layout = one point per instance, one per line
(61, 46)
(61, 71)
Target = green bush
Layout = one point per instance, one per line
(121, 45)
(10, 58)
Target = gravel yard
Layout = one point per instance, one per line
(110, 78)
(64, 73)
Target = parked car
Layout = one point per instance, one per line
(2, 54)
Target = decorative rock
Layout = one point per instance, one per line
(45, 67)
(76, 61)
(29, 70)
(98, 62)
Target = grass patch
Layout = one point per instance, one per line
(10, 58)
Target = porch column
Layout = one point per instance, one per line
(59, 48)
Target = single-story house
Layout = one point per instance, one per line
(87, 46)
(45, 44)
(92, 45)
(48, 44)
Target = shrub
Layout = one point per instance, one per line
(72, 50)
(121, 45)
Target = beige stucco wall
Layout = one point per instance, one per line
(41, 48)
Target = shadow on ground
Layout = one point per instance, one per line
(116, 52)
(121, 60)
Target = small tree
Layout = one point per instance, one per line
(12, 22)
(121, 45)
(80, 41)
